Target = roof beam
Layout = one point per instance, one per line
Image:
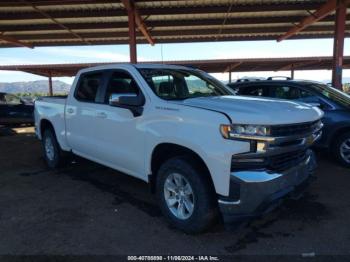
(188, 39)
(298, 65)
(266, 64)
(319, 14)
(130, 7)
(164, 23)
(14, 41)
(286, 67)
(159, 33)
(232, 66)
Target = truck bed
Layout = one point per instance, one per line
(52, 109)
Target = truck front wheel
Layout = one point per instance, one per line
(185, 195)
(51, 148)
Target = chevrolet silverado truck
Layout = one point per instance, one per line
(203, 150)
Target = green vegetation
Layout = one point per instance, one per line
(346, 88)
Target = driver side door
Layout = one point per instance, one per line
(118, 132)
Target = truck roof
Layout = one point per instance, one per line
(138, 66)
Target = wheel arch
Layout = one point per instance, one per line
(164, 151)
(45, 124)
(338, 132)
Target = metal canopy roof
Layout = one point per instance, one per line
(212, 66)
(91, 22)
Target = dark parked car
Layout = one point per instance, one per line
(15, 111)
(334, 103)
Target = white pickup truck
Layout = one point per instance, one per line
(201, 149)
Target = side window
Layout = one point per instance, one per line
(88, 87)
(308, 97)
(285, 92)
(252, 91)
(306, 94)
(121, 83)
(197, 85)
(12, 100)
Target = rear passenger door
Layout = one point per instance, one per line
(81, 113)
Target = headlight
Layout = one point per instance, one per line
(232, 131)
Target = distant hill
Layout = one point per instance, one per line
(345, 80)
(40, 86)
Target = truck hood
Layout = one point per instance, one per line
(259, 111)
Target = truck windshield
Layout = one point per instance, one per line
(178, 84)
(333, 94)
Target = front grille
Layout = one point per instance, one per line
(277, 163)
(295, 129)
(285, 161)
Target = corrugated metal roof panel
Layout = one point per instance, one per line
(105, 20)
(160, 4)
(82, 7)
(230, 15)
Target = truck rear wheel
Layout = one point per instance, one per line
(185, 195)
(51, 149)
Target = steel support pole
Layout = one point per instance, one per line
(338, 45)
(132, 33)
(229, 76)
(50, 85)
(292, 72)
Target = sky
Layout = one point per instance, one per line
(159, 52)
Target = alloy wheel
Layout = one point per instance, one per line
(345, 150)
(179, 196)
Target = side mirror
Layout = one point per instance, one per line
(127, 99)
(131, 101)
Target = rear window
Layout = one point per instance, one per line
(88, 87)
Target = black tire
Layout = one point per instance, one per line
(337, 151)
(205, 209)
(56, 159)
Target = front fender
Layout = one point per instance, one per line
(201, 134)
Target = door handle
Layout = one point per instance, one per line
(101, 115)
(70, 111)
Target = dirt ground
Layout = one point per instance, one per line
(88, 209)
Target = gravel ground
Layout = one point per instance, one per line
(88, 209)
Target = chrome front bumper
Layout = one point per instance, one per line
(260, 190)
